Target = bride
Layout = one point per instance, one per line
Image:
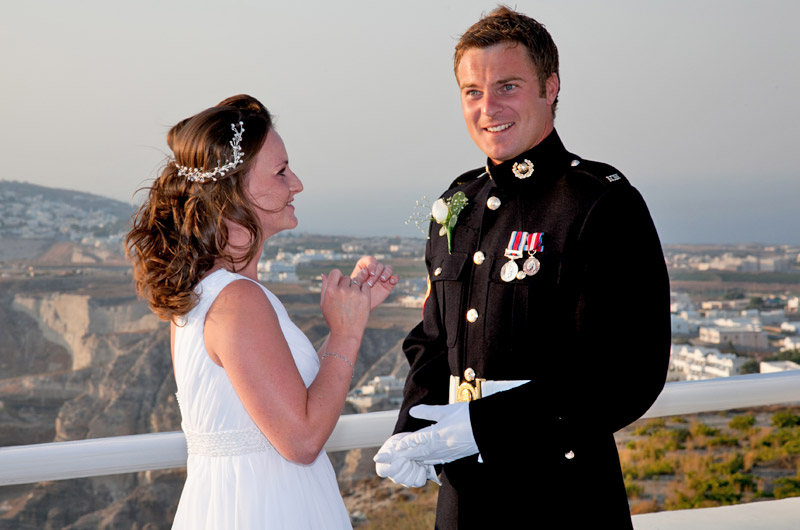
(257, 401)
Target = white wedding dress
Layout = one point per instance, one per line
(235, 479)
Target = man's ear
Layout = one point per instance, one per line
(551, 88)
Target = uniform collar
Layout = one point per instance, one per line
(537, 162)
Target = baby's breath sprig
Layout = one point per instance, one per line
(444, 212)
(421, 215)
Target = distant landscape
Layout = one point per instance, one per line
(81, 357)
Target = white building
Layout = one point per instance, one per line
(276, 271)
(736, 304)
(791, 343)
(730, 332)
(680, 326)
(776, 317)
(788, 327)
(768, 367)
(693, 363)
(412, 301)
(775, 264)
(383, 390)
(680, 302)
(793, 303)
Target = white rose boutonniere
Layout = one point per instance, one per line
(443, 211)
(446, 214)
(440, 211)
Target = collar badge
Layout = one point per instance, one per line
(522, 170)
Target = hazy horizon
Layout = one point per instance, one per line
(695, 103)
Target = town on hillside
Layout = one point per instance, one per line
(734, 307)
(82, 357)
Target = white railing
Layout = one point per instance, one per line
(126, 454)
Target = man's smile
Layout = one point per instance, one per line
(498, 128)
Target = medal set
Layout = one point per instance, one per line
(518, 244)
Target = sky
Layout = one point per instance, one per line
(696, 102)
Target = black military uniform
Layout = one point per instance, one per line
(590, 330)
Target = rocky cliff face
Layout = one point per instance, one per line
(78, 321)
(83, 358)
(113, 377)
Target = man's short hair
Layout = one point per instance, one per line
(503, 24)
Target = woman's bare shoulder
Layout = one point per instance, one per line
(241, 297)
(240, 322)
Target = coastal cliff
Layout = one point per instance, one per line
(82, 357)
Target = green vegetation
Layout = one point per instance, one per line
(698, 429)
(729, 276)
(787, 487)
(413, 509)
(708, 465)
(750, 367)
(784, 419)
(733, 294)
(691, 463)
(756, 302)
(742, 423)
(788, 355)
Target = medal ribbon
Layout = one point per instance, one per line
(515, 244)
(534, 242)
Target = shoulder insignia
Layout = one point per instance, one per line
(599, 171)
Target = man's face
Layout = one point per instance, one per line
(503, 109)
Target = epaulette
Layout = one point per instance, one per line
(466, 177)
(600, 172)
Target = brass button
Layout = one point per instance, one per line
(438, 271)
(472, 315)
(478, 258)
(493, 203)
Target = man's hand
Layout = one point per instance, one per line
(450, 438)
(408, 473)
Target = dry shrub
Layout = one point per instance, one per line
(648, 506)
(416, 514)
(694, 462)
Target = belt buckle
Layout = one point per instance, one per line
(470, 387)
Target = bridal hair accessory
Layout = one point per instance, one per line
(198, 175)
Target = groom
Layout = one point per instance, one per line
(546, 327)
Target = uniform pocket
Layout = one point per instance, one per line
(447, 280)
(523, 308)
(506, 309)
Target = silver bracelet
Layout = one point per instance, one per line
(342, 357)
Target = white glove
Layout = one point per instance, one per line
(450, 438)
(408, 473)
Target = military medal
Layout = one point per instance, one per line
(533, 244)
(513, 251)
(509, 271)
(531, 266)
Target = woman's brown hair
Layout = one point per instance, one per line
(180, 230)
